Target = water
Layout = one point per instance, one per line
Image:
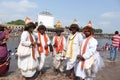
(13, 42)
(102, 42)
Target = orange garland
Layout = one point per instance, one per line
(41, 47)
(84, 50)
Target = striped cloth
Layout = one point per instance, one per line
(115, 40)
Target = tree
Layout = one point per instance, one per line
(17, 22)
(98, 30)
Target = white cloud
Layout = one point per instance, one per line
(21, 6)
(110, 22)
(15, 9)
(111, 15)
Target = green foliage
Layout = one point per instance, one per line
(17, 22)
(98, 30)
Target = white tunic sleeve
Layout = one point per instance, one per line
(48, 39)
(25, 39)
(91, 48)
(53, 41)
(64, 42)
(80, 39)
(36, 36)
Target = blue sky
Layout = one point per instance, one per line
(104, 14)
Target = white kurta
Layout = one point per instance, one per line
(43, 56)
(73, 47)
(90, 50)
(59, 42)
(42, 40)
(27, 65)
(59, 56)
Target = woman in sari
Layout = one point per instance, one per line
(4, 55)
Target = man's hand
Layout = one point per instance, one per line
(80, 58)
(46, 47)
(55, 45)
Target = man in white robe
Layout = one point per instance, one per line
(43, 42)
(59, 45)
(73, 48)
(88, 60)
(28, 64)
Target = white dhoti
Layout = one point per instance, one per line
(28, 73)
(57, 62)
(70, 64)
(41, 60)
(27, 66)
(89, 70)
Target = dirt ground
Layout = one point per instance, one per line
(111, 71)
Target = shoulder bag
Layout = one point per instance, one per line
(23, 51)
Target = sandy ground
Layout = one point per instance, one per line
(111, 71)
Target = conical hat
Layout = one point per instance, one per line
(75, 21)
(29, 23)
(58, 24)
(74, 25)
(88, 28)
(89, 24)
(27, 20)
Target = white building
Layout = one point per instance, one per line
(46, 19)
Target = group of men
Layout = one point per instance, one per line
(83, 61)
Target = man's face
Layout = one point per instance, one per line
(58, 33)
(73, 30)
(31, 29)
(42, 31)
(87, 33)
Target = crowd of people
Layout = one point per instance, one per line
(79, 50)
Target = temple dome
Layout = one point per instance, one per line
(45, 13)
